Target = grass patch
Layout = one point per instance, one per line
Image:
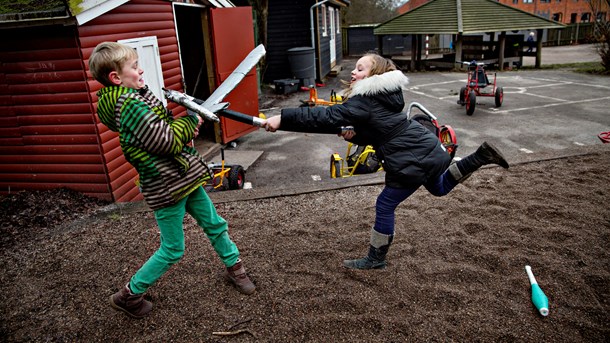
(583, 67)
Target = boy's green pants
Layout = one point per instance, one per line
(170, 220)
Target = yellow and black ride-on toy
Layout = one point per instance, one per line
(313, 99)
(362, 159)
(225, 176)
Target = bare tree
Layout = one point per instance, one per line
(261, 8)
(601, 30)
(369, 11)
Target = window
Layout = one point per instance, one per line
(557, 17)
(573, 17)
(601, 16)
(515, 2)
(528, 1)
(337, 22)
(150, 61)
(585, 17)
(545, 1)
(324, 23)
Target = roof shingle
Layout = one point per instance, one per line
(463, 16)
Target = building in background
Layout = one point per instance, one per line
(563, 11)
(50, 136)
(308, 30)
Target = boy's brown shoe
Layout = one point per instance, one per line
(238, 277)
(133, 304)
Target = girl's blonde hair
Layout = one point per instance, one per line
(108, 57)
(379, 65)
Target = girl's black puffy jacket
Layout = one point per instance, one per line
(410, 154)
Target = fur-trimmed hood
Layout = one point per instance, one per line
(387, 82)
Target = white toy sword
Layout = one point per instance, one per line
(212, 106)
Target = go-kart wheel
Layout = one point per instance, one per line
(216, 177)
(499, 96)
(462, 96)
(335, 168)
(448, 139)
(471, 102)
(215, 184)
(237, 177)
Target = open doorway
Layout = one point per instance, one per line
(212, 43)
(198, 74)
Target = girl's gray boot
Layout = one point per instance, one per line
(378, 249)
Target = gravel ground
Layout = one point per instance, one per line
(455, 273)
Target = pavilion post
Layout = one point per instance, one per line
(502, 42)
(458, 49)
(379, 44)
(413, 52)
(538, 47)
(420, 39)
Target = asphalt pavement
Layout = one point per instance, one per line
(545, 114)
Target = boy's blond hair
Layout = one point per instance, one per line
(379, 65)
(108, 57)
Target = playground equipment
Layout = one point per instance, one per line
(478, 81)
(362, 159)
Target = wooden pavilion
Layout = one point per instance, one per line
(464, 17)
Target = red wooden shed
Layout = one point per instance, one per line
(50, 135)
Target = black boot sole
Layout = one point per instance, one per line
(497, 155)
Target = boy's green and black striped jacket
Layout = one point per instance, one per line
(154, 143)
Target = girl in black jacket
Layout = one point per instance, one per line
(410, 154)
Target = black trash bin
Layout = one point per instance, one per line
(302, 64)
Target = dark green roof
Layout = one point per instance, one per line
(463, 16)
(18, 10)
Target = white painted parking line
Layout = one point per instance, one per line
(427, 90)
(579, 143)
(316, 177)
(438, 83)
(519, 90)
(524, 90)
(545, 97)
(544, 79)
(551, 85)
(552, 105)
(570, 83)
(526, 151)
(425, 94)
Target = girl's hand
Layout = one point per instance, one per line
(347, 134)
(272, 124)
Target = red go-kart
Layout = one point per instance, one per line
(444, 133)
(477, 85)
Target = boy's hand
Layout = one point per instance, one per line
(199, 122)
(272, 124)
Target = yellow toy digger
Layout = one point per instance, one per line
(313, 99)
(363, 160)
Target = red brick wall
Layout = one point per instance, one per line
(560, 10)
(411, 4)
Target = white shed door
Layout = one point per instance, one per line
(150, 62)
(333, 36)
